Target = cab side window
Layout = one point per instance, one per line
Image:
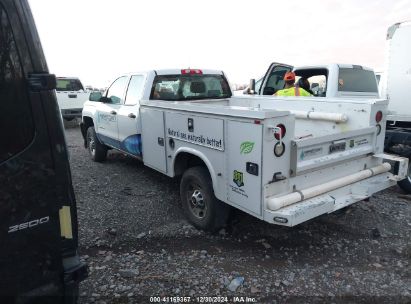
(275, 81)
(16, 122)
(116, 90)
(135, 89)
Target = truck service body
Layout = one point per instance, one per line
(282, 160)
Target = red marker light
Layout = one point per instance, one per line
(378, 116)
(281, 134)
(191, 72)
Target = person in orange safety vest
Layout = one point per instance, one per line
(290, 89)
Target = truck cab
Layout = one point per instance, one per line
(115, 115)
(330, 80)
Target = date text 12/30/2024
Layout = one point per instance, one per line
(202, 299)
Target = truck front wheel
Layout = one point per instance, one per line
(200, 205)
(97, 150)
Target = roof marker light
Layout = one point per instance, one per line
(191, 72)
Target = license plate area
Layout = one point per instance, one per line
(337, 146)
(320, 152)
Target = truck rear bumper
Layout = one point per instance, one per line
(327, 202)
(71, 113)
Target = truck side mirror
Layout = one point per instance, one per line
(95, 96)
(42, 82)
(251, 87)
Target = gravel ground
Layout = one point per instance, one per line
(137, 243)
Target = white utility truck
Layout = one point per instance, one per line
(282, 160)
(395, 85)
(71, 97)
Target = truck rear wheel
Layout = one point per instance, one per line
(200, 205)
(405, 184)
(97, 150)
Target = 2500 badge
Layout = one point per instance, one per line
(30, 224)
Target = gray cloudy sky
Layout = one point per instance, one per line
(98, 39)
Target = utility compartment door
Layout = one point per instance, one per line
(153, 141)
(244, 162)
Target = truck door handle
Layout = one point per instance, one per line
(190, 125)
(131, 115)
(113, 112)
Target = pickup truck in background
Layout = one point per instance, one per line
(330, 80)
(71, 97)
(282, 160)
(395, 85)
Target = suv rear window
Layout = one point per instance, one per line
(190, 87)
(356, 80)
(65, 84)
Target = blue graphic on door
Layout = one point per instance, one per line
(132, 144)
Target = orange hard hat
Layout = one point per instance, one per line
(289, 76)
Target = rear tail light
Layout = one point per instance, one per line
(191, 72)
(281, 133)
(378, 116)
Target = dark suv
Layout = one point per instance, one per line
(38, 217)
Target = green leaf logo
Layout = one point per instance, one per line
(246, 147)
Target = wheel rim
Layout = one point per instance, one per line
(91, 145)
(196, 201)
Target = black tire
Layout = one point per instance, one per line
(405, 184)
(200, 205)
(97, 150)
(68, 118)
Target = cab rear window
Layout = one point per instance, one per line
(189, 87)
(356, 80)
(65, 84)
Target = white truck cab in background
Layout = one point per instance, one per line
(327, 80)
(71, 97)
(395, 85)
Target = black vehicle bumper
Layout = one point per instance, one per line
(76, 274)
(53, 292)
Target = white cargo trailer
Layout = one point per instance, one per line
(395, 86)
